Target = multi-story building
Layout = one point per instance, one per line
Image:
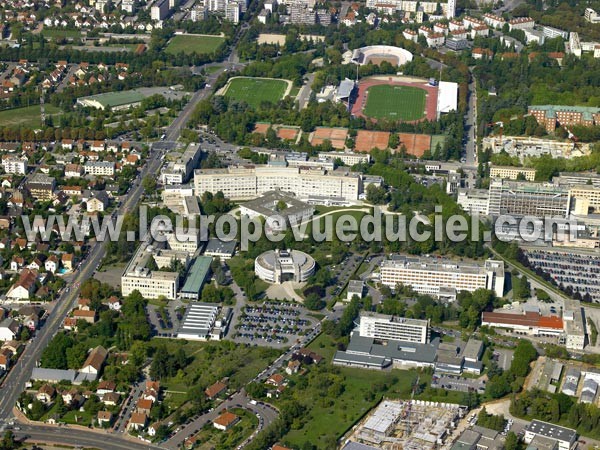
(180, 170)
(436, 276)
(160, 10)
(493, 21)
(591, 15)
(348, 158)
(529, 323)
(128, 6)
(550, 115)
(474, 201)
(521, 23)
(41, 186)
(574, 325)
(512, 173)
(247, 182)
(14, 164)
(584, 200)
(233, 11)
(381, 326)
(150, 283)
(527, 199)
(199, 13)
(559, 437)
(552, 33)
(99, 168)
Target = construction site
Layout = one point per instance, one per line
(408, 425)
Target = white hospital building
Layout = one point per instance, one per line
(248, 182)
(432, 276)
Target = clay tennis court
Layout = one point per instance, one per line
(337, 136)
(368, 140)
(287, 133)
(430, 112)
(416, 144)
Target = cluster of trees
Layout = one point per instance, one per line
(166, 364)
(491, 421)
(523, 81)
(503, 382)
(409, 196)
(345, 325)
(472, 304)
(422, 306)
(553, 408)
(520, 285)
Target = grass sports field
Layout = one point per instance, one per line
(28, 116)
(189, 44)
(256, 90)
(395, 102)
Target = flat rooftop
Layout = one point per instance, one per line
(552, 431)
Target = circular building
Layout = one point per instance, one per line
(376, 54)
(277, 266)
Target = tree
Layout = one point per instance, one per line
(314, 302)
(512, 441)
(149, 184)
(377, 195)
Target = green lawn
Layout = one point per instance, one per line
(395, 102)
(256, 90)
(60, 33)
(28, 116)
(212, 361)
(189, 44)
(328, 416)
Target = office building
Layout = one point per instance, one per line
(278, 266)
(370, 353)
(574, 321)
(179, 170)
(196, 277)
(528, 322)
(551, 115)
(348, 158)
(474, 201)
(512, 173)
(433, 276)
(584, 199)
(203, 322)
(248, 182)
(520, 199)
(150, 283)
(280, 209)
(382, 326)
(564, 437)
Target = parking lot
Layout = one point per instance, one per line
(456, 383)
(342, 272)
(503, 358)
(274, 324)
(578, 271)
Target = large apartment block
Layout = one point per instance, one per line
(551, 115)
(248, 182)
(436, 277)
(381, 326)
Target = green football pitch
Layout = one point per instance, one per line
(256, 90)
(395, 102)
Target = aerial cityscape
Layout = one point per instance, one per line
(299, 225)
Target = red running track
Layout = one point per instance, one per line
(430, 101)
